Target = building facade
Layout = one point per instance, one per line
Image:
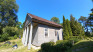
(38, 30)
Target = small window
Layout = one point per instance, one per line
(55, 33)
(46, 32)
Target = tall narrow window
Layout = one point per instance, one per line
(55, 33)
(46, 32)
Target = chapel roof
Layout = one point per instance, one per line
(43, 21)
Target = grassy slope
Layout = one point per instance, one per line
(21, 48)
(25, 50)
(17, 41)
(82, 46)
(87, 46)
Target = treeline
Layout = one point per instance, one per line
(10, 28)
(72, 28)
(76, 29)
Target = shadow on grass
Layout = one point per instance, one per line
(82, 46)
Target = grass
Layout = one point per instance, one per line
(82, 46)
(26, 50)
(89, 49)
(21, 48)
(6, 46)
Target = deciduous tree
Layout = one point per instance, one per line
(55, 19)
(8, 10)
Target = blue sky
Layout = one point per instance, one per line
(54, 8)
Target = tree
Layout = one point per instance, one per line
(55, 19)
(82, 19)
(72, 24)
(89, 22)
(76, 27)
(69, 28)
(65, 29)
(19, 25)
(8, 10)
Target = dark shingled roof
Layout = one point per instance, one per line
(43, 21)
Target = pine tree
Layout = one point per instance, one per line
(76, 27)
(72, 24)
(69, 28)
(65, 29)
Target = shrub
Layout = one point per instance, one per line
(60, 46)
(15, 37)
(11, 38)
(63, 45)
(11, 30)
(61, 41)
(75, 39)
(4, 37)
(47, 47)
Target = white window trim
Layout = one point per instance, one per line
(56, 32)
(44, 32)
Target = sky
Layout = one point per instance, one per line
(54, 8)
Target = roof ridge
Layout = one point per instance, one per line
(39, 18)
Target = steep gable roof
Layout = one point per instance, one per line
(43, 21)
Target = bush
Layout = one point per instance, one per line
(75, 39)
(11, 38)
(11, 30)
(60, 46)
(63, 45)
(4, 37)
(15, 37)
(47, 47)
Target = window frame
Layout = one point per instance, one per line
(47, 31)
(56, 32)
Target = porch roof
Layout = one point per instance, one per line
(43, 21)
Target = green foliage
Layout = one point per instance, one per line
(76, 27)
(65, 29)
(11, 30)
(4, 37)
(69, 28)
(72, 28)
(11, 38)
(60, 46)
(82, 19)
(15, 37)
(47, 47)
(55, 19)
(8, 10)
(75, 39)
(63, 45)
(19, 25)
(9, 33)
(67, 32)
